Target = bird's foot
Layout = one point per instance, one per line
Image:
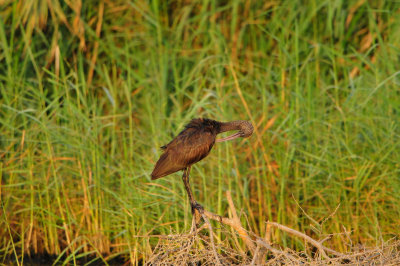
(197, 207)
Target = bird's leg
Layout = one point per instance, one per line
(193, 203)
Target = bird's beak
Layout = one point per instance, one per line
(234, 136)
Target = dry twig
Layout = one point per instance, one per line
(211, 239)
(191, 249)
(314, 242)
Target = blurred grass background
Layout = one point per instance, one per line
(90, 90)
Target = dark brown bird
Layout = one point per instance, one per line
(192, 145)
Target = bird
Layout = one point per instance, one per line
(192, 145)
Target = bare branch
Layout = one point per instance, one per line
(234, 223)
(314, 242)
(183, 249)
(212, 239)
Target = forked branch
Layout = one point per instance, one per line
(235, 223)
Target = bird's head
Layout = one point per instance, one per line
(245, 130)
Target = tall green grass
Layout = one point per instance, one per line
(89, 96)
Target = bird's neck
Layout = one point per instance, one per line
(228, 126)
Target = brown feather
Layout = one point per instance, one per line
(190, 146)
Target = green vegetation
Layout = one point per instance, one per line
(90, 91)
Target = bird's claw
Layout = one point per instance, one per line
(198, 207)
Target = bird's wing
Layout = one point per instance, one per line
(199, 146)
(183, 151)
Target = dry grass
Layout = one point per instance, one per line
(199, 247)
(194, 249)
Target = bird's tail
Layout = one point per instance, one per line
(164, 167)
